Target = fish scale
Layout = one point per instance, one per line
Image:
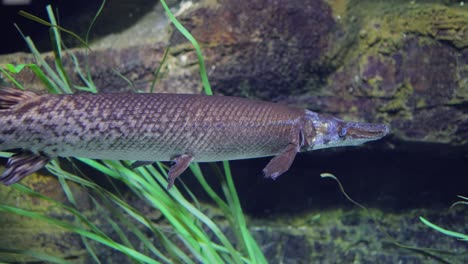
(206, 127)
(163, 127)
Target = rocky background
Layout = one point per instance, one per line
(404, 63)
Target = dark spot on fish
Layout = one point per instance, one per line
(43, 110)
(113, 126)
(50, 127)
(9, 122)
(28, 120)
(80, 124)
(2, 141)
(32, 131)
(326, 141)
(8, 131)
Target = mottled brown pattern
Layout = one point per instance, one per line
(149, 126)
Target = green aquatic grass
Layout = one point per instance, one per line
(53, 25)
(443, 230)
(158, 70)
(187, 35)
(235, 210)
(203, 240)
(464, 237)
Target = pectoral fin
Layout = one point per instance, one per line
(21, 165)
(281, 162)
(180, 165)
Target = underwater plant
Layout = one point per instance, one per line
(444, 231)
(194, 236)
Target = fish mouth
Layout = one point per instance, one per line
(366, 130)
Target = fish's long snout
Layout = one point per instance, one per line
(370, 131)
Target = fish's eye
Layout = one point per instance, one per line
(343, 132)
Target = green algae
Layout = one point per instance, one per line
(385, 25)
(398, 105)
(421, 103)
(444, 136)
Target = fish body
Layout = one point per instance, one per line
(163, 127)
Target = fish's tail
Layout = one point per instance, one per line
(11, 96)
(24, 162)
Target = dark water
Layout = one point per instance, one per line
(73, 15)
(413, 175)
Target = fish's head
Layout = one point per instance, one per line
(322, 131)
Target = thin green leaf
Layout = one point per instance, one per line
(443, 230)
(5, 154)
(15, 69)
(16, 83)
(123, 77)
(158, 70)
(46, 23)
(186, 33)
(56, 42)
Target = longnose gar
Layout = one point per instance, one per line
(163, 127)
